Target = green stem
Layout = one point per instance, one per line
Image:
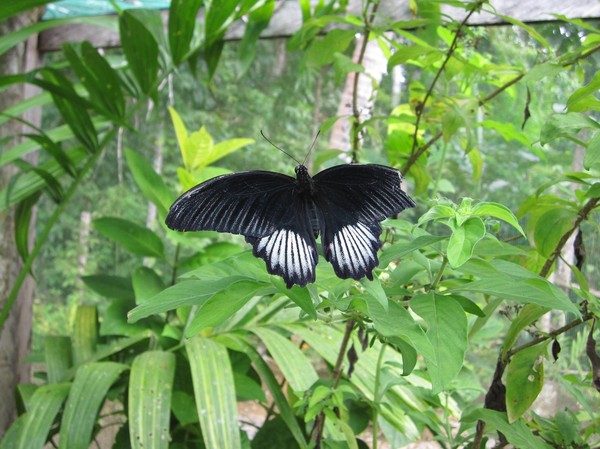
(376, 395)
(439, 274)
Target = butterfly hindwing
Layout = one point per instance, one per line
(290, 251)
(248, 203)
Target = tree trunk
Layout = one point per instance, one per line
(16, 334)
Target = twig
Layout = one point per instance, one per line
(317, 430)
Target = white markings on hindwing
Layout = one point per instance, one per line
(353, 248)
(286, 251)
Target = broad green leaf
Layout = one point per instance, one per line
(150, 387)
(300, 296)
(293, 363)
(131, 236)
(222, 149)
(447, 332)
(184, 293)
(146, 284)
(141, 50)
(285, 410)
(85, 334)
(219, 15)
(409, 354)
(12, 436)
(212, 55)
(400, 250)
(569, 124)
(396, 321)
(114, 320)
(52, 185)
(109, 286)
(247, 389)
(499, 211)
(468, 305)
(551, 227)
(88, 393)
(150, 183)
(181, 27)
(223, 305)
(463, 241)
(181, 133)
(45, 405)
(375, 290)
(436, 212)
(75, 115)
(524, 380)
(54, 149)
(58, 356)
(541, 71)
(99, 78)
(584, 99)
(408, 53)
(8, 9)
(184, 407)
(507, 130)
(258, 20)
(198, 146)
(524, 291)
(476, 159)
(322, 50)
(517, 433)
(527, 315)
(215, 394)
(591, 159)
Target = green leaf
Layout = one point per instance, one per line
(258, 20)
(215, 394)
(109, 286)
(114, 320)
(300, 296)
(584, 99)
(247, 389)
(223, 305)
(58, 356)
(87, 395)
(524, 380)
(150, 183)
(551, 227)
(448, 334)
(468, 305)
(54, 149)
(435, 213)
(22, 224)
(375, 290)
(508, 131)
(396, 321)
(181, 27)
(212, 55)
(268, 378)
(527, 315)
(293, 363)
(182, 294)
(463, 241)
(529, 30)
(150, 386)
(141, 50)
(146, 284)
(222, 149)
(44, 406)
(409, 52)
(499, 211)
(591, 160)
(322, 50)
(517, 433)
(400, 250)
(133, 237)
(181, 133)
(85, 334)
(562, 125)
(11, 437)
(184, 408)
(9, 9)
(73, 112)
(100, 80)
(218, 17)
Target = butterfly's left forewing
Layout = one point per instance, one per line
(351, 201)
(263, 207)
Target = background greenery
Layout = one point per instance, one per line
(426, 348)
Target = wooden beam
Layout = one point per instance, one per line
(287, 19)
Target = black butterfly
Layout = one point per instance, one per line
(282, 216)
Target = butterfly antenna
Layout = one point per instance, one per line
(311, 147)
(283, 151)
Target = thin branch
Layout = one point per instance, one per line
(551, 335)
(582, 215)
(449, 53)
(319, 425)
(361, 57)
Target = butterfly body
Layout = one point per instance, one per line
(281, 217)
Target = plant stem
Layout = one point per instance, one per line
(439, 274)
(376, 395)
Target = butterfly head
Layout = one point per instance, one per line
(305, 182)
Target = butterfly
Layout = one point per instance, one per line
(281, 216)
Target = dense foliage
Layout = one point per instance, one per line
(170, 332)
